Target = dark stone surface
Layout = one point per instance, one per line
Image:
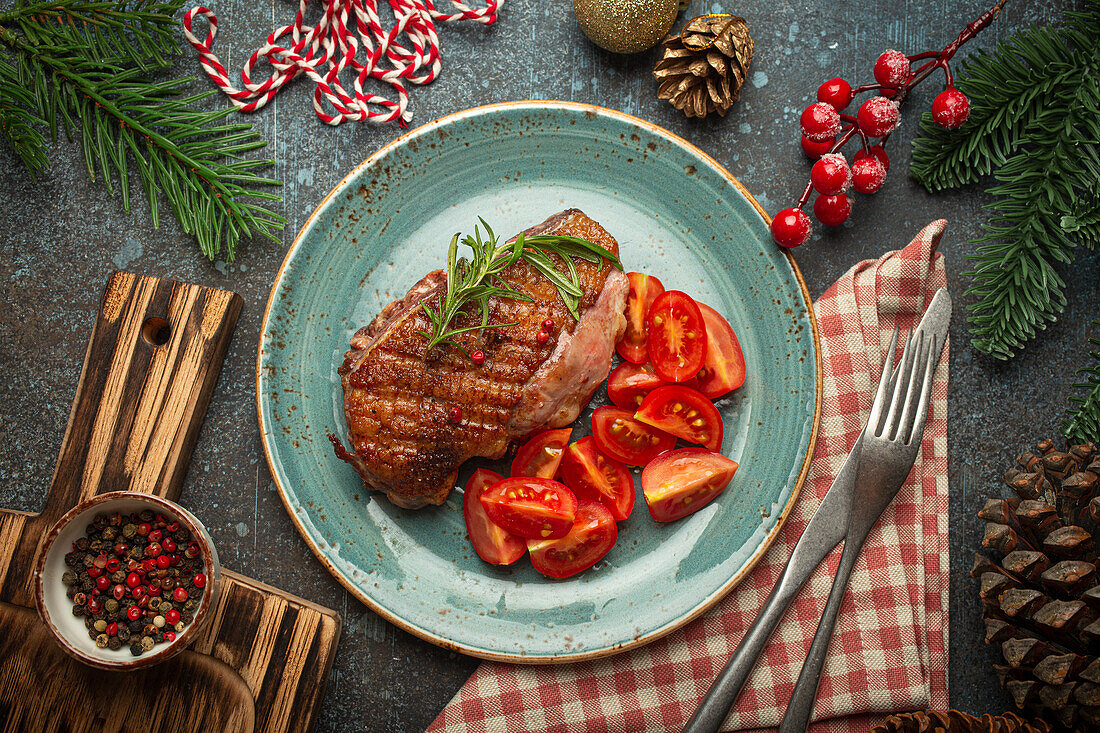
(63, 235)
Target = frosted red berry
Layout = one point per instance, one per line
(179, 595)
(836, 92)
(455, 414)
(542, 337)
(868, 174)
(820, 122)
(832, 210)
(814, 150)
(133, 580)
(892, 68)
(878, 116)
(172, 617)
(199, 580)
(169, 636)
(112, 629)
(877, 151)
(951, 108)
(133, 613)
(791, 228)
(477, 357)
(831, 174)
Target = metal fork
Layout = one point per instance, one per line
(890, 446)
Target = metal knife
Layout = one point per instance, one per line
(826, 529)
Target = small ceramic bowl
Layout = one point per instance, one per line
(56, 609)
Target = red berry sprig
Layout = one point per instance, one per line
(826, 130)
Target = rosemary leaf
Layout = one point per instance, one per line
(471, 283)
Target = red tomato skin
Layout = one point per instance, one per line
(584, 469)
(629, 383)
(540, 455)
(530, 518)
(671, 364)
(656, 441)
(491, 543)
(724, 365)
(594, 533)
(656, 410)
(667, 504)
(644, 289)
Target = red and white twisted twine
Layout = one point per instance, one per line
(349, 35)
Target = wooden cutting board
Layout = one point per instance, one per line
(262, 663)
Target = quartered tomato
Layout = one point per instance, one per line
(491, 543)
(592, 537)
(627, 440)
(683, 412)
(644, 289)
(595, 477)
(724, 365)
(539, 457)
(629, 383)
(683, 481)
(534, 508)
(676, 337)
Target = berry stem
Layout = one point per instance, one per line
(877, 119)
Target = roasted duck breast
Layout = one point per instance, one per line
(415, 414)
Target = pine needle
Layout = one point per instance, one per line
(83, 67)
(1083, 424)
(1035, 127)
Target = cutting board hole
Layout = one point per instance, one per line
(156, 331)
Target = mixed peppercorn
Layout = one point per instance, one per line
(136, 579)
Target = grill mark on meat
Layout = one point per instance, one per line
(397, 395)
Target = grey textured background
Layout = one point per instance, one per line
(61, 236)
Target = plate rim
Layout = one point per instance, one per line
(565, 658)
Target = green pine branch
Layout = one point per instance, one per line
(1034, 125)
(82, 67)
(1083, 423)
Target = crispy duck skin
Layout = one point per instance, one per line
(399, 397)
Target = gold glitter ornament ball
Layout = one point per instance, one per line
(625, 26)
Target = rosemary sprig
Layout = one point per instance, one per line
(471, 283)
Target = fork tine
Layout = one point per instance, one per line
(890, 425)
(912, 391)
(926, 391)
(883, 382)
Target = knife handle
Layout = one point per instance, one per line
(721, 696)
(801, 705)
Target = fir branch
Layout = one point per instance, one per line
(18, 125)
(1083, 423)
(141, 32)
(84, 70)
(1035, 125)
(1007, 90)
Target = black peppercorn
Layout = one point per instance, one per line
(81, 544)
(147, 515)
(114, 644)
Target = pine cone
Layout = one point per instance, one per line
(1042, 598)
(703, 68)
(953, 721)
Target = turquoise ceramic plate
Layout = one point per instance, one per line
(676, 214)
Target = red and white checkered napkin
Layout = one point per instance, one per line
(889, 650)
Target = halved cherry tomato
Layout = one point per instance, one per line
(683, 412)
(644, 289)
(629, 383)
(724, 366)
(539, 457)
(491, 543)
(683, 481)
(676, 337)
(595, 477)
(628, 441)
(592, 537)
(534, 508)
